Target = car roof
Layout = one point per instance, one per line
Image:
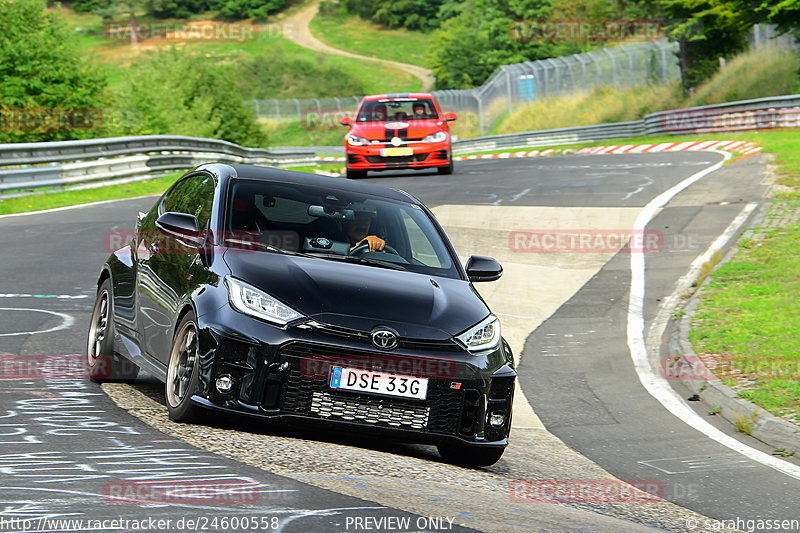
(390, 96)
(279, 175)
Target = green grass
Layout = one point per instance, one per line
(754, 74)
(352, 33)
(37, 202)
(329, 167)
(308, 74)
(599, 106)
(759, 74)
(370, 76)
(749, 314)
(293, 133)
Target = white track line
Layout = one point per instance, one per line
(656, 385)
(66, 321)
(46, 296)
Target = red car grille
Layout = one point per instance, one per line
(416, 158)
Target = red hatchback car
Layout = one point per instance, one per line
(398, 131)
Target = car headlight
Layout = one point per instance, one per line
(483, 336)
(355, 140)
(251, 301)
(437, 137)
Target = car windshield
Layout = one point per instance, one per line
(397, 110)
(329, 224)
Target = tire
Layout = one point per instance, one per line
(183, 372)
(102, 363)
(471, 455)
(356, 174)
(446, 170)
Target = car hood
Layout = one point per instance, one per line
(413, 129)
(362, 297)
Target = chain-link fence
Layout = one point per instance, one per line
(636, 64)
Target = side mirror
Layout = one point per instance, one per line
(450, 117)
(346, 121)
(180, 226)
(481, 268)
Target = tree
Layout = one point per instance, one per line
(180, 8)
(470, 46)
(258, 9)
(411, 14)
(44, 82)
(173, 92)
(706, 30)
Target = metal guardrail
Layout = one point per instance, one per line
(120, 157)
(71, 162)
(761, 113)
(50, 152)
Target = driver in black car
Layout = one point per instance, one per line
(357, 232)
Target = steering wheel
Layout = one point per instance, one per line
(364, 247)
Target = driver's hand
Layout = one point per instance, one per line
(375, 243)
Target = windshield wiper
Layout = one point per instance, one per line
(362, 260)
(245, 245)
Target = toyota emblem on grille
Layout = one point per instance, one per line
(384, 339)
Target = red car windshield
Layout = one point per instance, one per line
(397, 110)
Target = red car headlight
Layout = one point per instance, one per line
(437, 137)
(354, 140)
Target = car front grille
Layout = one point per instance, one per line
(306, 392)
(372, 412)
(416, 158)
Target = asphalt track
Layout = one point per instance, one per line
(65, 446)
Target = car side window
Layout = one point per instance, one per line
(193, 195)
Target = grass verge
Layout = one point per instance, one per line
(51, 200)
(756, 74)
(748, 315)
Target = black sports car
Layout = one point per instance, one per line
(316, 300)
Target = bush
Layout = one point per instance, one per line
(88, 6)
(244, 9)
(176, 93)
(43, 77)
(410, 14)
(278, 76)
(180, 8)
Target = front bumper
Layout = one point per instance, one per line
(284, 375)
(425, 155)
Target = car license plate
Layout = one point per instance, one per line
(378, 383)
(391, 152)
